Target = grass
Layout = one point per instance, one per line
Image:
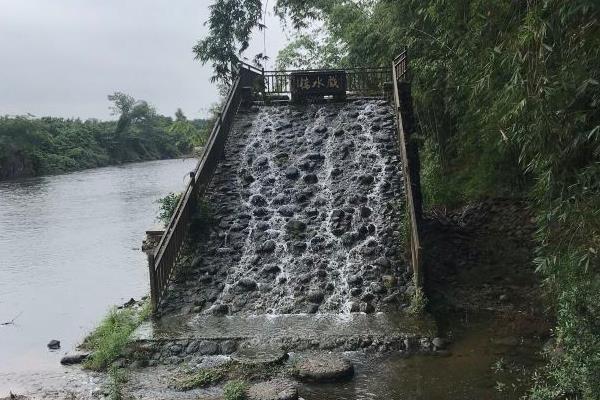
(116, 379)
(235, 390)
(110, 338)
(202, 378)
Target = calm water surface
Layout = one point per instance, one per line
(69, 250)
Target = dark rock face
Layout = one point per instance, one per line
(303, 204)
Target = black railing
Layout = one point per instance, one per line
(360, 80)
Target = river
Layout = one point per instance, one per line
(70, 250)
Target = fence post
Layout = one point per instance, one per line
(153, 284)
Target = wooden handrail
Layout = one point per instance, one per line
(162, 260)
(409, 153)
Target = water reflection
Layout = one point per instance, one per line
(68, 250)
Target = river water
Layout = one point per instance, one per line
(69, 250)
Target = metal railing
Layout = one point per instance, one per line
(360, 80)
(162, 260)
(409, 153)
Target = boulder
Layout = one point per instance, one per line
(323, 367)
(275, 389)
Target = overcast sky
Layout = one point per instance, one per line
(63, 57)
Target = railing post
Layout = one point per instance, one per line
(153, 284)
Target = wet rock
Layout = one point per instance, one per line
(74, 358)
(208, 348)
(287, 210)
(258, 200)
(295, 226)
(383, 262)
(268, 246)
(175, 349)
(323, 367)
(355, 280)
(367, 308)
(271, 269)
(292, 172)
(365, 212)
(259, 355)
(54, 344)
(275, 389)
(310, 178)
(260, 212)
(192, 347)
(247, 284)
(439, 343)
(280, 198)
(219, 309)
(316, 297)
(366, 179)
(389, 281)
(228, 346)
(261, 161)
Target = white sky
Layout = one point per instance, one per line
(63, 57)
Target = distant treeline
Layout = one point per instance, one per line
(31, 146)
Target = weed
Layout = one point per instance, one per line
(235, 390)
(110, 338)
(418, 302)
(202, 378)
(116, 379)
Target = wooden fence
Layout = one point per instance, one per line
(162, 261)
(409, 153)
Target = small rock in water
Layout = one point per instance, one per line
(54, 344)
(323, 367)
(74, 358)
(275, 389)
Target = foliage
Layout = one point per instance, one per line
(110, 338)
(168, 204)
(38, 146)
(235, 390)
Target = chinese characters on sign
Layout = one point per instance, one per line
(313, 84)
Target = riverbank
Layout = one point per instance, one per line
(32, 146)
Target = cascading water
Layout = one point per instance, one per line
(307, 217)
